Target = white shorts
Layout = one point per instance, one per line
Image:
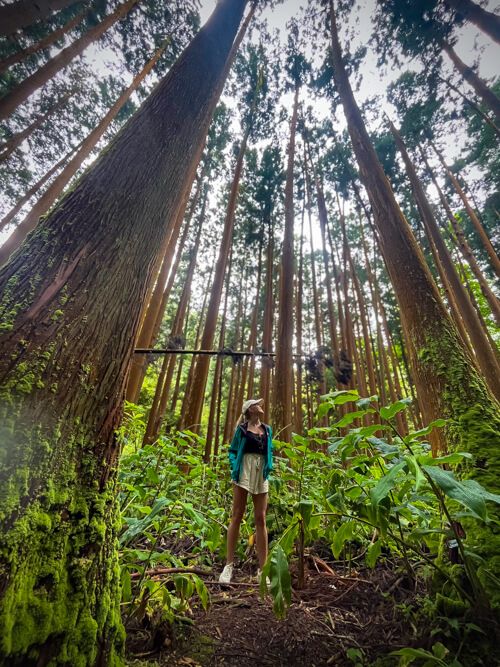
(252, 474)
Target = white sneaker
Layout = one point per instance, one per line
(226, 574)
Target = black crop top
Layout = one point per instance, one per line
(255, 443)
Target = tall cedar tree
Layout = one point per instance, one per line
(447, 381)
(71, 300)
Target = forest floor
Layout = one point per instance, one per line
(338, 618)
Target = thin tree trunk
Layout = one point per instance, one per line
(214, 414)
(24, 13)
(495, 261)
(298, 417)
(486, 21)
(462, 306)
(267, 329)
(282, 390)
(59, 183)
(7, 219)
(485, 93)
(196, 389)
(472, 104)
(7, 148)
(156, 308)
(44, 42)
(448, 385)
(182, 420)
(465, 248)
(160, 400)
(19, 94)
(70, 313)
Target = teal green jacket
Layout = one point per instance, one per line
(236, 451)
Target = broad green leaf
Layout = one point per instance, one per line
(414, 466)
(459, 491)
(281, 590)
(480, 490)
(373, 553)
(343, 534)
(138, 526)
(323, 409)
(367, 431)
(456, 457)
(389, 411)
(437, 423)
(365, 402)
(418, 653)
(385, 485)
(349, 418)
(383, 446)
(288, 538)
(202, 591)
(343, 396)
(305, 509)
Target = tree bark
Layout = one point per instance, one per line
(282, 390)
(486, 21)
(465, 248)
(156, 307)
(485, 355)
(447, 382)
(44, 42)
(24, 13)
(59, 183)
(70, 310)
(10, 101)
(495, 261)
(485, 93)
(196, 389)
(160, 400)
(267, 328)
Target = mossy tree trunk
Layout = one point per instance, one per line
(69, 313)
(447, 382)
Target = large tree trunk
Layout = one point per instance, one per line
(447, 382)
(488, 97)
(44, 42)
(71, 302)
(10, 101)
(282, 390)
(59, 183)
(485, 355)
(486, 21)
(24, 13)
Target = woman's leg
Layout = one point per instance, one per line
(260, 508)
(239, 505)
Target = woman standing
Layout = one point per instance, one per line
(251, 461)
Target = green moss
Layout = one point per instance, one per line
(474, 427)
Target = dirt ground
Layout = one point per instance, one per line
(336, 615)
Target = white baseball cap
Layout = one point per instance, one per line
(248, 404)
